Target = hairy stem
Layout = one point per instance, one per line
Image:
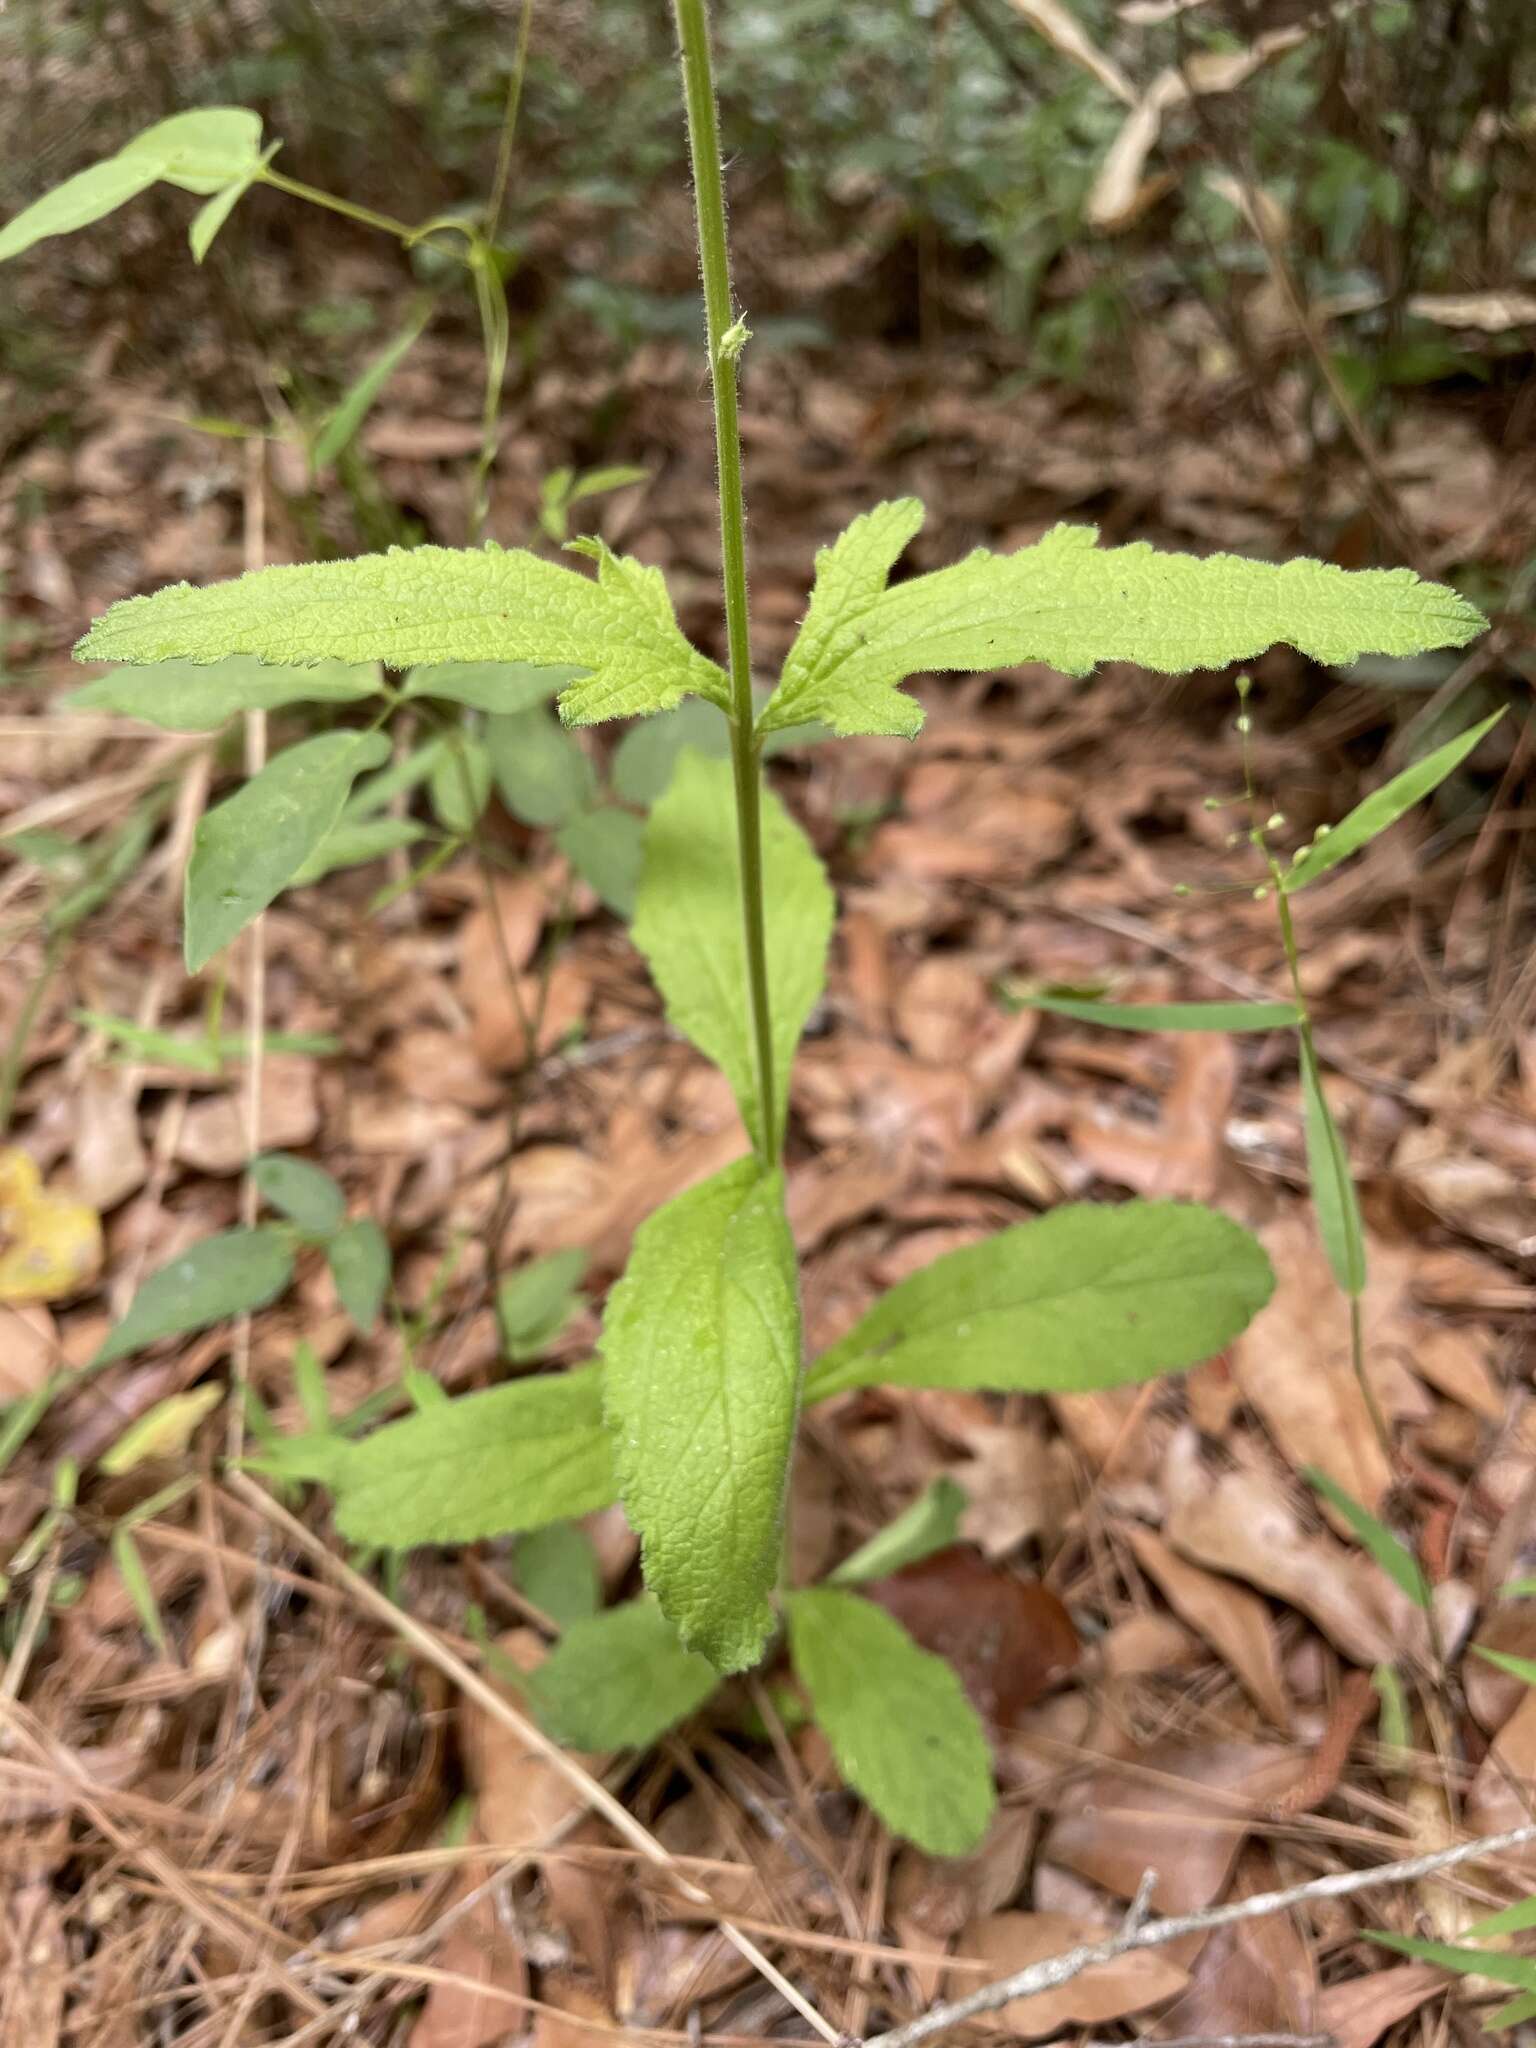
(725, 339)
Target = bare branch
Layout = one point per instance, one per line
(1054, 1970)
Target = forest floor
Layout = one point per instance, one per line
(279, 1824)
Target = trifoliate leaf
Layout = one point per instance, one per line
(301, 1191)
(182, 696)
(1072, 604)
(688, 926)
(249, 848)
(219, 1277)
(1091, 1295)
(1383, 807)
(904, 1734)
(202, 149)
(432, 605)
(701, 1351)
(358, 1256)
(482, 1465)
(619, 1680)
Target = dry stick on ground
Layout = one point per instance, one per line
(1055, 1970)
(428, 1646)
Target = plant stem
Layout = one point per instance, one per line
(364, 215)
(725, 340)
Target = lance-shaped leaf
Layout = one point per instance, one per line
(484, 1465)
(902, 1730)
(222, 1276)
(1333, 1185)
(1072, 604)
(620, 1679)
(1383, 807)
(250, 847)
(432, 605)
(701, 1354)
(1091, 1295)
(688, 925)
(1168, 1016)
(931, 1523)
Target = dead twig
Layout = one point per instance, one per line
(1055, 1970)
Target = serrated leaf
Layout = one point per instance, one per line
(701, 1352)
(482, 1465)
(1167, 1016)
(90, 195)
(502, 688)
(619, 1680)
(199, 150)
(534, 1304)
(1069, 603)
(688, 925)
(352, 842)
(358, 1256)
(905, 1736)
(460, 786)
(543, 776)
(181, 696)
(437, 605)
(931, 1523)
(249, 848)
(1388, 1550)
(604, 847)
(556, 1569)
(164, 1432)
(301, 1191)
(1090, 1295)
(1384, 806)
(231, 1274)
(359, 397)
(1333, 1185)
(644, 759)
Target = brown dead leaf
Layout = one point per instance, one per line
(1457, 1360)
(29, 1348)
(1241, 1523)
(34, 1966)
(1181, 1154)
(1178, 1808)
(568, 1994)
(519, 1796)
(1065, 33)
(484, 1949)
(933, 1897)
(107, 1154)
(502, 1023)
(213, 1136)
(942, 1008)
(1499, 1796)
(1009, 1942)
(1361, 2009)
(1235, 1622)
(1259, 1977)
(1494, 1695)
(1144, 1643)
(1010, 1639)
(441, 1066)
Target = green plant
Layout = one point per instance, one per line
(691, 1414)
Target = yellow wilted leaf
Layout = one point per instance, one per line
(50, 1246)
(164, 1432)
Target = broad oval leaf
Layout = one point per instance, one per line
(301, 1191)
(905, 1736)
(619, 1680)
(1168, 1016)
(1333, 1185)
(701, 1354)
(482, 1465)
(250, 847)
(358, 1256)
(557, 1570)
(1072, 604)
(534, 1304)
(1090, 1295)
(228, 1275)
(200, 150)
(543, 776)
(183, 696)
(688, 926)
(1383, 807)
(432, 605)
(90, 195)
(644, 759)
(603, 845)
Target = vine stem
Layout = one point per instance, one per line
(725, 339)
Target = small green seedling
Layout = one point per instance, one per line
(690, 1414)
